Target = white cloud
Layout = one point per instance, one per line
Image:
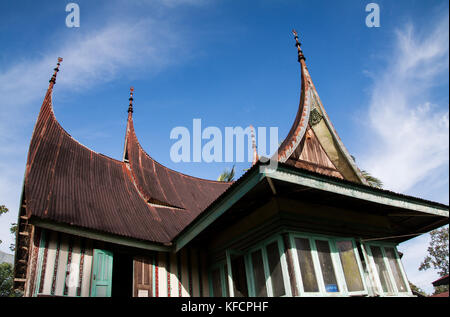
(408, 129)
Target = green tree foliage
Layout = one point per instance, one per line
(226, 176)
(437, 252)
(372, 180)
(416, 290)
(3, 210)
(440, 289)
(13, 229)
(437, 257)
(6, 280)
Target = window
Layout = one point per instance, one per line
(239, 276)
(218, 281)
(260, 272)
(395, 269)
(390, 277)
(327, 266)
(350, 267)
(259, 277)
(275, 273)
(306, 265)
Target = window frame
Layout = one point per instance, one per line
(223, 278)
(379, 289)
(336, 261)
(261, 246)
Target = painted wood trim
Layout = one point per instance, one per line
(162, 274)
(75, 265)
(205, 219)
(382, 245)
(229, 274)
(403, 272)
(290, 264)
(173, 275)
(50, 265)
(339, 271)
(40, 262)
(62, 266)
(81, 232)
(268, 279)
(351, 191)
(87, 269)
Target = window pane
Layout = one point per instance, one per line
(326, 264)
(258, 272)
(217, 284)
(306, 265)
(395, 268)
(381, 269)
(239, 277)
(350, 266)
(276, 274)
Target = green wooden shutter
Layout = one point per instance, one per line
(102, 267)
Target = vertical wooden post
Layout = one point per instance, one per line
(290, 264)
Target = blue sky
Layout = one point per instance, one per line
(233, 63)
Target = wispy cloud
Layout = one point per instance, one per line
(409, 130)
(408, 127)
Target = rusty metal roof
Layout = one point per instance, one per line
(68, 183)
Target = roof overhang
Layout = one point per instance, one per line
(419, 215)
(97, 235)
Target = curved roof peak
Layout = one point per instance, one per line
(131, 134)
(327, 154)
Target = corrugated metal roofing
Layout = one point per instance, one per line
(68, 183)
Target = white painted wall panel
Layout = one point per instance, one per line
(162, 274)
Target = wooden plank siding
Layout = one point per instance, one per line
(175, 274)
(61, 265)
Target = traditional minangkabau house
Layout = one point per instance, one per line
(90, 225)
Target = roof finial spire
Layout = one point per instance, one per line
(52, 80)
(130, 107)
(298, 44)
(255, 152)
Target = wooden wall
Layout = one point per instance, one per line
(61, 266)
(183, 274)
(61, 258)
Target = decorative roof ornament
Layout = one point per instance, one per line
(130, 107)
(255, 152)
(52, 80)
(314, 117)
(298, 44)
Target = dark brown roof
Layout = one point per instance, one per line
(441, 281)
(444, 294)
(68, 183)
(162, 185)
